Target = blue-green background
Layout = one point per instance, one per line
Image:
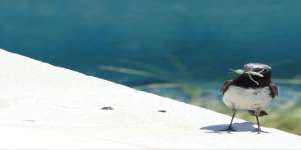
(208, 36)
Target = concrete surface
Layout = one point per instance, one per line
(43, 106)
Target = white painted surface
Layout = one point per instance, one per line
(42, 106)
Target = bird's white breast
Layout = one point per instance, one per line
(250, 99)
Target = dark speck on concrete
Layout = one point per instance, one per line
(162, 111)
(29, 120)
(107, 108)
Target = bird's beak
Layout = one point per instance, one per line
(238, 71)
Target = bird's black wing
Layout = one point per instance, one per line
(225, 86)
(274, 90)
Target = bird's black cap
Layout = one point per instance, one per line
(257, 67)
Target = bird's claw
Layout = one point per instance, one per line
(258, 130)
(229, 129)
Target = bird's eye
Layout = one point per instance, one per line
(264, 70)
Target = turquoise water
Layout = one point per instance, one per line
(187, 42)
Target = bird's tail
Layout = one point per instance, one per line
(262, 113)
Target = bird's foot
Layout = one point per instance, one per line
(258, 130)
(229, 129)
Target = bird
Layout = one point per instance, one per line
(252, 90)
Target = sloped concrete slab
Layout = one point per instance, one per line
(43, 106)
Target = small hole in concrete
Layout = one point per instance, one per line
(162, 111)
(107, 108)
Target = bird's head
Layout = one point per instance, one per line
(258, 69)
(255, 71)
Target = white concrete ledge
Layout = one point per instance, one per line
(43, 106)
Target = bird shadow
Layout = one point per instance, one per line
(238, 127)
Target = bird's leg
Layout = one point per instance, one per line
(230, 128)
(258, 125)
(230, 125)
(257, 112)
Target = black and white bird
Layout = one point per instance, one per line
(251, 90)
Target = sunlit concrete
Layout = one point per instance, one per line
(43, 106)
